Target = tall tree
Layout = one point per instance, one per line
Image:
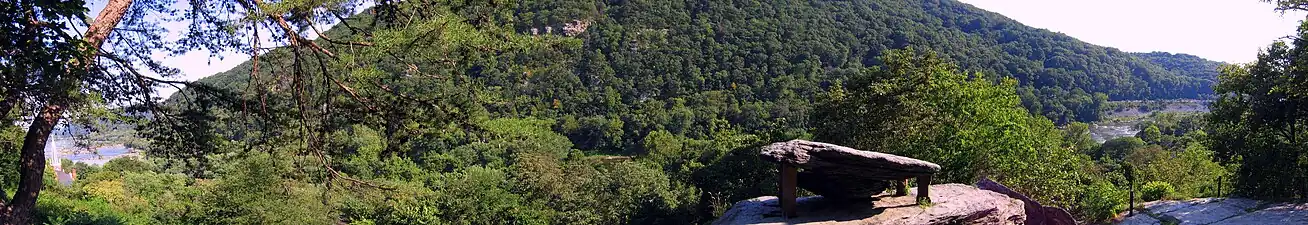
(59, 88)
(1258, 118)
(922, 107)
(51, 72)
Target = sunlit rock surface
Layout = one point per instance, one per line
(841, 172)
(1222, 211)
(952, 204)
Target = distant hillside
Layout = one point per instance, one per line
(772, 55)
(1187, 65)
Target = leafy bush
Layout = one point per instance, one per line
(1100, 202)
(1156, 190)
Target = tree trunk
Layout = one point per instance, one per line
(32, 162)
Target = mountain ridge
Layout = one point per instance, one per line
(724, 46)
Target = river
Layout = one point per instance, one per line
(1122, 122)
(59, 148)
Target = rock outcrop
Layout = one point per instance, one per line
(1218, 211)
(1036, 214)
(952, 204)
(845, 173)
(841, 161)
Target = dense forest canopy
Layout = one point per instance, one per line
(786, 51)
(642, 112)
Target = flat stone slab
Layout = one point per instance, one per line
(1242, 203)
(952, 204)
(1159, 207)
(1206, 213)
(840, 161)
(1140, 219)
(1280, 214)
(1222, 211)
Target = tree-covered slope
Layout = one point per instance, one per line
(774, 47)
(1187, 65)
(669, 49)
(582, 112)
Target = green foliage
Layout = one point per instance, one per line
(1150, 134)
(740, 174)
(1118, 148)
(483, 113)
(1156, 190)
(1181, 161)
(1257, 120)
(1101, 201)
(252, 190)
(249, 192)
(1077, 136)
(773, 57)
(126, 164)
(1189, 65)
(922, 107)
(11, 139)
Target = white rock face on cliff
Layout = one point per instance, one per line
(952, 204)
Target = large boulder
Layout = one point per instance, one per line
(841, 172)
(1036, 214)
(952, 204)
(840, 161)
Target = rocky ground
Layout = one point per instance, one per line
(953, 204)
(1218, 211)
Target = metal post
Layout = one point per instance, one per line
(788, 180)
(1219, 186)
(1130, 187)
(1131, 208)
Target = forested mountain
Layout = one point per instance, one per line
(690, 85)
(1190, 66)
(638, 112)
(784, 51)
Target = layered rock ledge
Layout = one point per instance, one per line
(952, 204)
(841, 172)
(840, 161)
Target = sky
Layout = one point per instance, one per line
(198, 64)
(1222, 30)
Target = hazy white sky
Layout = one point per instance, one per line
(1221, 30)
(197, 64)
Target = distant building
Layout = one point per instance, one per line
(65, 176)
(54, 156)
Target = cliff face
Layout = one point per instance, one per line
(952, 204)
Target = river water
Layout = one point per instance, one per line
(1122, 123)
(59, 148)
(1108, 131)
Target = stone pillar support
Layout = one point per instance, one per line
(923, 188)
(901, 187)
(788, 181)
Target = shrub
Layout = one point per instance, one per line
(1100, 202)
(1155, 190)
